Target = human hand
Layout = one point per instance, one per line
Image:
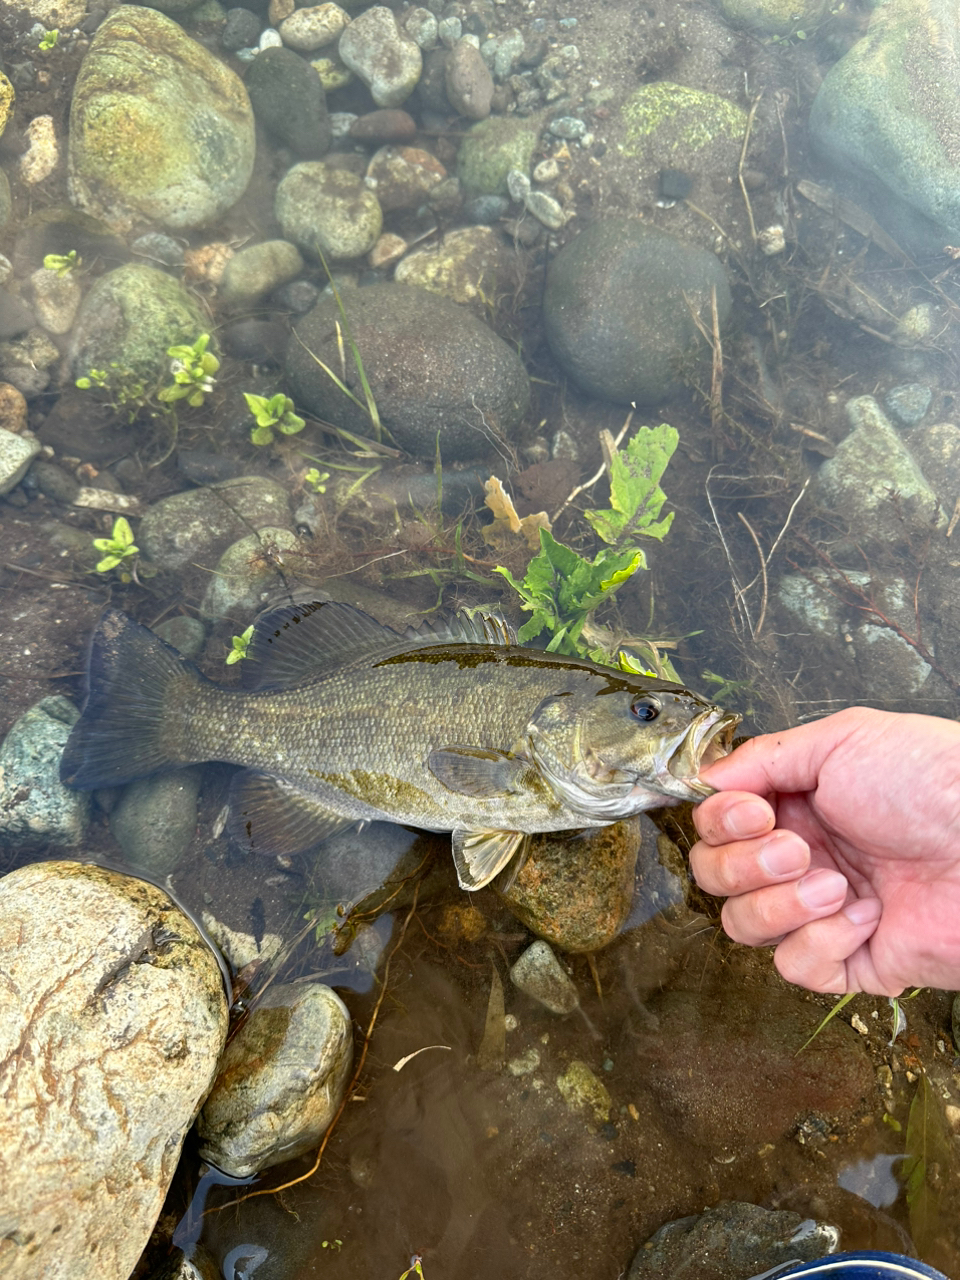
(839, 842)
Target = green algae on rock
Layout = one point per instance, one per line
(491, 149)
(160, 129)
(694, 119)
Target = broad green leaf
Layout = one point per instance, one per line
(931, 1166)
(636, 498)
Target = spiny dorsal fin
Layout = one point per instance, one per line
(297, 643)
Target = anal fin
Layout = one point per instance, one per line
(480, 855)
(270, 815)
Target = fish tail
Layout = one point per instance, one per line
(129, 726)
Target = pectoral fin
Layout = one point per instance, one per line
(483, 775)
(480, 855)
(269, 815)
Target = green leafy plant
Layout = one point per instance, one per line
(317, 480)
(49, 40)
(62, 263)
(334, 1245)
(194, 370)
(269, 412)
(118, 549)
(636, 498)
(239, 647)
(415, 1268)
(561, 589)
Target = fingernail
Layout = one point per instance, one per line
(784, 855)
(821, 888)
(863, 911)
(748, 818)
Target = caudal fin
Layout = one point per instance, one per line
(125, 731)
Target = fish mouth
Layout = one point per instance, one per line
(708, 739)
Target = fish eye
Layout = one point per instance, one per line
(645, 707)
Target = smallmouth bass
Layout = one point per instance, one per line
(450, 727)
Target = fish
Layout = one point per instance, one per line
(449, 726)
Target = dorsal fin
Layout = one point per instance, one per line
(296, 643)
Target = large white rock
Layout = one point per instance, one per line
(113, 1019)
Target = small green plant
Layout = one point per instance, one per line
(317, 480)
(273, 411)
(415, 1268)
(334, 1245)
(561, 589)
(194, 370)
(636, 498)
(62, 263)
(48, 41)
(118, 549)
(240, 646)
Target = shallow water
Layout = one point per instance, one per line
(485, 1173)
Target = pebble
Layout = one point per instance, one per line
(254, 272)
(539, 974)
(330, 210)
(449, 31)
(908, 403)
(289, 100)
(277, 10)
(313, 28)
(465, 266)
(403, 177)
(16, 454)
(341, 123)
(387, 125)
(568, 127)
(384, 57)
(546, 171)
(420, 25)
(35, 806)
(545, 209)
(27, 361)
(469, 83)
(155, 820)
(13, 409)
(244, 577)
(270, 38)
(299, 296)
(333, 72)
(242, 29)
(43, 151)
(56, 299)
(524, 1064)
(280, 1081)
(486, 209)
(518, 184)
(199, 524)
(581, 1090)
(502, 53)
(389, 249)
(157, 247)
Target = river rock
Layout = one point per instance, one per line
(288, 99)
(280, 1081)
(56, 298)
(469, 83)
(199, 524)
(403, 177)
(889, 111)
(390, 124)
(155, 820)
(577, 893)
(26, 362)
(465, 267)
(384, 57)
(433, 368)
(491, 149)
(128, 320)
(256, 271)
(872, 464)
(16, 454)
(615, 309)
(314, 27)
(539, 974)
(114, 1019)
(35, 806)
(732, 1239)
(160, 129)
(774, 17)
(328, 209)
(245, 578)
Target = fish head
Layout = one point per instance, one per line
(632, 744)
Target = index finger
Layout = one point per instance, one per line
(792, 759)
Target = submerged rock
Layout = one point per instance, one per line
(159, 128)
(539, 974)
(280, 1081)
(617, 309)
(732, 1239)
(114, 1018)
(384, 57)
(328, 210)
(288, 99)
(155, 820)
(198, 525)
(577, 893)
(35, 806)
(436, 372)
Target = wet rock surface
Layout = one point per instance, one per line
(34, 805)
(114, 1019)
(434, 370)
